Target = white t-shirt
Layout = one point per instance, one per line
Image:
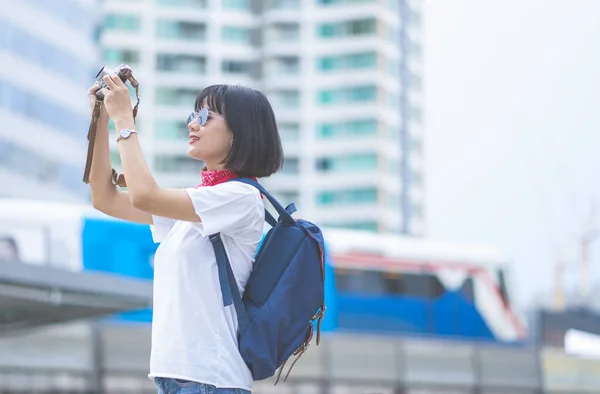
(194, 337)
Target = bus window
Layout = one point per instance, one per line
(359, 281)
(422, 285)
(502, 286)
(393, 282)
(467, 290)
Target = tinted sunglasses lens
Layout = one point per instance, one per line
(202, 116)
(190, 119)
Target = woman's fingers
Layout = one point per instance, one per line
(95, 87)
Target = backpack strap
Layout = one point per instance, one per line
(284, 214)
(229, 288)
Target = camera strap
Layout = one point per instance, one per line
(117, 179)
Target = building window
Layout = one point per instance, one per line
(348, 62)
(236, 67)
(349, 129)
(115, 158)
(181, 63)
(287, 197)
(333, 2)
(122, 22)
(286, 31)
(236, 4)
(348, 163)
(120, 56)
(356, 196)
(183, 3)
(350, 28)
(289, 131)
(419, 285)
(177, 163)
(291, 166)
(236, 34)
(284, 4)
(171, 130)
(348, 95)
(286, 98)
(180, 30)
(289, 65)
(176, 96)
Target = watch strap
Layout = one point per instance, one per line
(120, 137)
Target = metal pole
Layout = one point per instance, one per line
(97, 358)
(590, 233)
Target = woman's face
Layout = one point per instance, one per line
(211, 141)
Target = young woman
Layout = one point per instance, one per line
(233, 131)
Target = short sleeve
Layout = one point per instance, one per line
(160, 227)
(229, 208)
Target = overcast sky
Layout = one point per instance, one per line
(513, 129)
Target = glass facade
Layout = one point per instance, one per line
(181, 63)
(242, 5)
(37, 51)
(171, 130)
(348, 95)
(352, 61)
(123, 22)
(348, 129)
(236, 34)
(30, 105)
(31, 165)
(355, 27)
(354, 196)
(357, 162)
(180, 30)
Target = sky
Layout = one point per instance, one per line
(512, 133)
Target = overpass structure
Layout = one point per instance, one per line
(33, 295)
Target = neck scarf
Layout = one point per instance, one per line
(214, 177)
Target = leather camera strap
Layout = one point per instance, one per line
(118, 179)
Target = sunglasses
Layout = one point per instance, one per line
(201, 117)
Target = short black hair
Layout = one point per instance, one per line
(256, 150)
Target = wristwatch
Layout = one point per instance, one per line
(125, 133)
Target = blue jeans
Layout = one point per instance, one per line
(178, 386)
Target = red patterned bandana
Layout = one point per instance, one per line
(214, 177)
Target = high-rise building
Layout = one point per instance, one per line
(48, 52)
(344, 78)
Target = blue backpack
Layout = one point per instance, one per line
(284, 294)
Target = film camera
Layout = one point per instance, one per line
(123, 71)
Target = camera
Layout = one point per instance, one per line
(122, 71)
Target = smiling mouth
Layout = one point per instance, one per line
(193, 139)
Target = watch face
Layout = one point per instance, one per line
(125, 133)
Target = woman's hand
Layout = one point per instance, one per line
(117, 100)
(92, 99)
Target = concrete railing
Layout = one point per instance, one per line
(343, 363)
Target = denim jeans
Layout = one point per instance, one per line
(178, 386)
